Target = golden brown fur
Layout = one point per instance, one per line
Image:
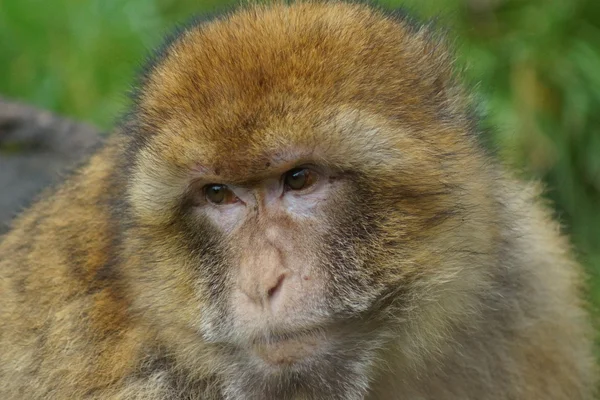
(452, 280)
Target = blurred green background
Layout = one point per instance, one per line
(535, 65)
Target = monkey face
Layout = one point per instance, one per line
(281, 250)
(287, 194)
(279, 232)
(277, 257)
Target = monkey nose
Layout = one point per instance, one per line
(275, 289)
(265, 291)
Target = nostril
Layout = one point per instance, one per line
(277, 287)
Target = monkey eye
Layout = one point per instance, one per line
(299, 178)
(219, 194)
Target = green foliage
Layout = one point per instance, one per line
(534, 63)
(79, 57)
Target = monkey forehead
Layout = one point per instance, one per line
(316, 53)
(341, 139)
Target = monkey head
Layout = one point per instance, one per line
(300, 191)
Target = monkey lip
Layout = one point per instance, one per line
(289, 349)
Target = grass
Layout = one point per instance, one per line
(535, 65)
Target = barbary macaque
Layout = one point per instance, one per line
(297, 206)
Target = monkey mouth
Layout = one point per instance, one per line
(289, 349)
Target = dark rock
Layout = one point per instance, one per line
(36, 149)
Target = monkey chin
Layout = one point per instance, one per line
(289, 351)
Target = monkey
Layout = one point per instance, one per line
(297, 205)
